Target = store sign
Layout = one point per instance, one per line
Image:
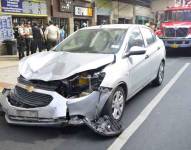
(12, 6)
(83, 11)
(66, 5)
(6, 28)
(38, 7)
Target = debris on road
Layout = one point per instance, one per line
(105, 126)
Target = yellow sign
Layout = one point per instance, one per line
(90, 12)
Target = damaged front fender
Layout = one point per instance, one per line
(89, 106)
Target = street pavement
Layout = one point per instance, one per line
(167, 127)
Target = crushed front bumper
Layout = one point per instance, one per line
(60, 111)
(177, 42)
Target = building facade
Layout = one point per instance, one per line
(103, 11)
(23, 11)
(131, 11)
(71, 14)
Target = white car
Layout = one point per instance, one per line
(89, 74)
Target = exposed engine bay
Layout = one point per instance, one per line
(81, 84)
(75, 86)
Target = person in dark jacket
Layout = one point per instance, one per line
(37, 38)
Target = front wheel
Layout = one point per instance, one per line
(114, 107)
(160, 76)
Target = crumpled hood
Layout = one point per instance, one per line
(176, 24)
(49, 66)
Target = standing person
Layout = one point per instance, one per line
(62, 34)
(37, 38)
(21, 41)
(16, 31)
(43, 28)
(28, 37)
(52, 35)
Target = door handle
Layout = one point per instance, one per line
(158, 48)
(147, 56)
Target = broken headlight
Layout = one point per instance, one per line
(81, 84)
(96, 80)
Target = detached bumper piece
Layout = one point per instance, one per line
(104, 126)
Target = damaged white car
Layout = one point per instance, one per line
(90, 74)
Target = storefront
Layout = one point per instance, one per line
(143, 15)
(82, 17)
(123, 12)
(103, 11)
(61, 14)
(142, 20)
(23, 11)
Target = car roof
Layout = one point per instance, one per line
(114, 26)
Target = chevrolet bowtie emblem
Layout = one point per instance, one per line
(30, 88)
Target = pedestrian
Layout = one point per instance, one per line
(16, 30)
(52, 35)
(21, 41)
(62, 34)
(37, 39)
(28, 38)
(84, 25)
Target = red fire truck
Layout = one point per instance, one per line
(175, 27)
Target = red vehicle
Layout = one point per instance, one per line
(175, 28)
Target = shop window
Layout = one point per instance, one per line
(103, 20)
(124, 21)
(62, 22)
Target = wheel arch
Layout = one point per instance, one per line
(125, 88)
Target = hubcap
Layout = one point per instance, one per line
(117, 105)
(161, 73)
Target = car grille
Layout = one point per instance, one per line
(180, 32)
(22, 98)
(169, 32)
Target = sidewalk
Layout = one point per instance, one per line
(7, 79)
(8, 63)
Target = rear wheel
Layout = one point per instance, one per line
(115, 105)
(160, 76)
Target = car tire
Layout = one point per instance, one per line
(114, 106)
(160, 75)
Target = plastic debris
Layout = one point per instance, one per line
(104, 126)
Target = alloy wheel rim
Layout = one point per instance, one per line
(161, 73)
(117, 105)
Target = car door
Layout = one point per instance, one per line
(153, 52)
(137, 65)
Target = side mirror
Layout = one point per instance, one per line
(135, 50)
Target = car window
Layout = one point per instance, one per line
(101, 40)
(135, 38)
(149, 36)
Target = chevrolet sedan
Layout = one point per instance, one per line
(91, 73)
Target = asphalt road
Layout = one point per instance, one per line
(166, 128)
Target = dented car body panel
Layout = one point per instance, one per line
(56, 112)
(62, 87)
(60, 65)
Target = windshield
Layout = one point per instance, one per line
(105, 41)
(179, 15)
